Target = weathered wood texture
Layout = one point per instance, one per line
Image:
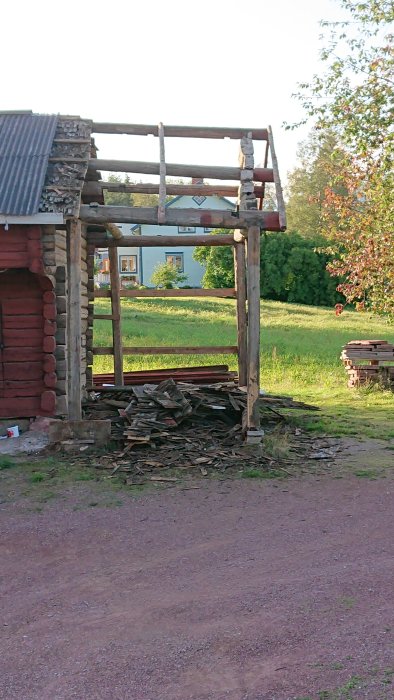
(113, 230)
(209, 218)
(214, 172)
(161, 213)
(116, 313)
(253, 293)
(207, 132)
(134, 293)
(171, 350)
(278, 187)
(74, 319)
(240, 293)
(102, 241)
(94, 187)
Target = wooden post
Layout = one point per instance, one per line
(240, 287)
(116, 315)
(161, 212)
(74, 319)
(253, 292)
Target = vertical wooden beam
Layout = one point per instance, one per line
(278, 187)
(116, 314)
(74, 319)
(89, 330)
(253, 292)
(161, 212)
(240, 288)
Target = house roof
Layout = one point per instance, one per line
(43, 163)
(181, 196)
(25, 144)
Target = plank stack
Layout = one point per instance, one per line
(377, 353)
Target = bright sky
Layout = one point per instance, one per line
(211, 62)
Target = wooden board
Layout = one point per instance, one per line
(166, 350)
(221, 293)
(208, 218)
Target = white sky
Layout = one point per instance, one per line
(211, 62)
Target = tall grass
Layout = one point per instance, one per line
(300, 348)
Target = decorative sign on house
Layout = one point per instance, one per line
(53, 219)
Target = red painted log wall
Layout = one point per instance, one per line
(27, 326)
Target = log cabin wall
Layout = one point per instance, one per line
(55, 263)
(27, 325)
(33, 321)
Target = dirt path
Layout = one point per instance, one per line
(238, 590)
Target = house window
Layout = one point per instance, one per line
(175, 259)
(186, 229)
(104, 265)
(128, 263)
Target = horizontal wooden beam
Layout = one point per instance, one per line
(105, 317)
(168, 350)
(206, 218)
(102, 241)
(199, 132)
(93, 187)
(216, 172)
(222, 293)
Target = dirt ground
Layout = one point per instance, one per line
(214, 590)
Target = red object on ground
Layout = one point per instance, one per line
(338, 309)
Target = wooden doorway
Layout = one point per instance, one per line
(21, 344)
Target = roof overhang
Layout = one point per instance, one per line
(40, 218)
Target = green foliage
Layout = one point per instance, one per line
(318, 158)
(167, 276)
(291, 269)
(6, 462)
(353, 98)
(128, 199)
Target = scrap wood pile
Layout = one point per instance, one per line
(357, 353)
(182, 425)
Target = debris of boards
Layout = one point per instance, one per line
(357, 353)
(182, 425)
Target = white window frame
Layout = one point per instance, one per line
(128, 257)
(174, 255)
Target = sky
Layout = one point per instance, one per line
(211, 62)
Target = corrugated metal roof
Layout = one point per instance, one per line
(25, 144)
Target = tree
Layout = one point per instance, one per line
(129, 199)
(292, 269)
(167, 276)
(308, 182)
(354, 99)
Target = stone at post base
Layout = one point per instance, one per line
(254, 437)
(74, 433)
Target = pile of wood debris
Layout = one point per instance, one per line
(181, 425)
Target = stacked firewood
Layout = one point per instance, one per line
(377, 353)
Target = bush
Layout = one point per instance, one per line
(167, 276)
(293, 269)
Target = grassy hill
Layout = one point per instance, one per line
(300, 353)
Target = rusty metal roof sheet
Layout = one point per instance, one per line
(25, 143)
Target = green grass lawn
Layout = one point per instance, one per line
(300, 353)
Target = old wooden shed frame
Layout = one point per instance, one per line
(246, 221)
(50, 244)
